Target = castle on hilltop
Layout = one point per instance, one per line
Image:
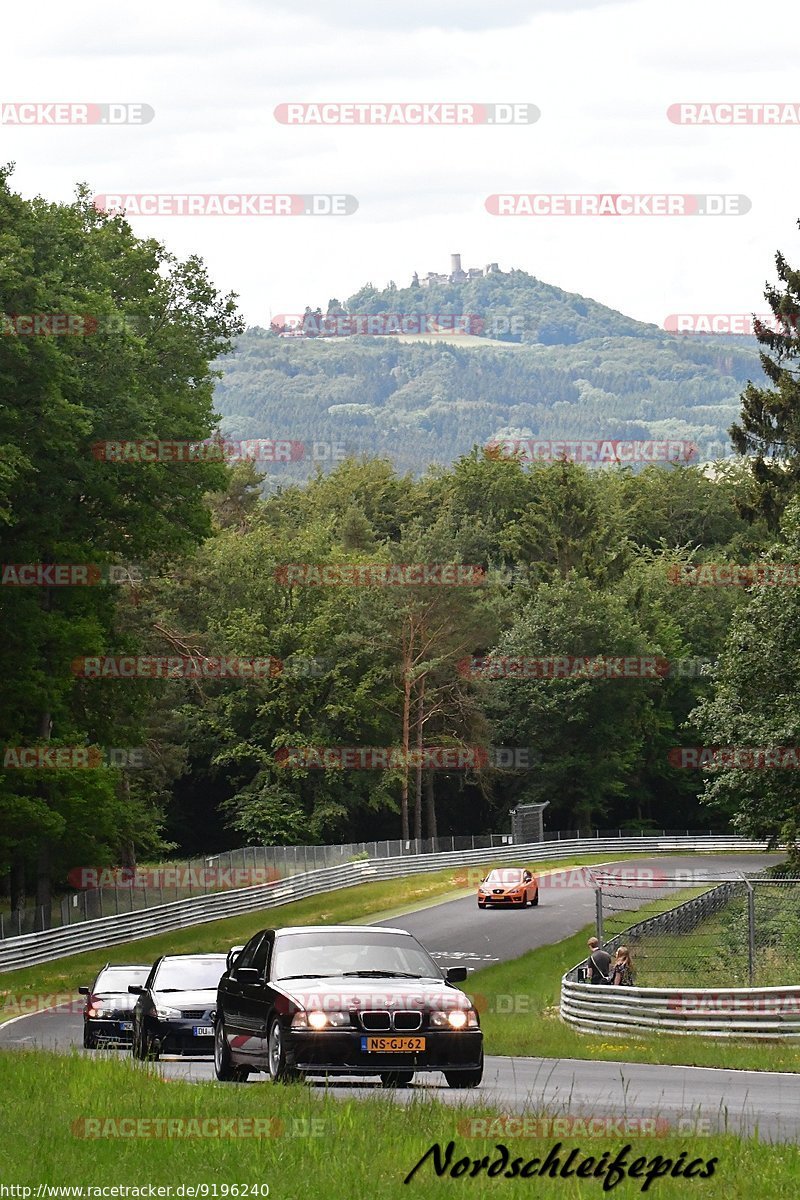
(457, 275)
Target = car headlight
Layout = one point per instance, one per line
(317, 1019)
(166, 1013)
(456, 1018)
(482, 891)
(96, 1010)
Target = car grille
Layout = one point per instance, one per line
(193, 1013)
(381, 1021)
(407, 1020)
(376, 1020)
(498, 892)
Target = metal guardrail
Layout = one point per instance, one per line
(110, 931)
(765, 1013)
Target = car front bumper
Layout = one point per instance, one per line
(110, 1028)
(177, 1036)
(342, 1052)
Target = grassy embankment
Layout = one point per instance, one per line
(350, 1149)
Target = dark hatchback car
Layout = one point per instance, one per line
(176, 1006)
(108, 1011)
(344, 1000)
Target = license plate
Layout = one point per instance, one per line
(392, 1045)
(125, 1026)
(203, 1031)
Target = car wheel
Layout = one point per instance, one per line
(89, 1040)
(535, 899)
(465, 1079)
(396, 1078)
(224, 1068)
(277, 1068)
(524, 900)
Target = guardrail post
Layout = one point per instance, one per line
(598, 901)
(751, 931)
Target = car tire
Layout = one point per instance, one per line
(524, 900)
(535, 899)
(396, 1078)
(89, 1039)
(465, 1079)
(277, 1068)
(224, 1068)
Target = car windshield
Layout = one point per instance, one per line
(505, 877)
(371, 955)
(189, 974)
(116, 979)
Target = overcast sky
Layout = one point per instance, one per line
(602, 72)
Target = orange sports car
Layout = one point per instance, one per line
(508, 887)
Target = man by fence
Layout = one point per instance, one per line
(598, 962)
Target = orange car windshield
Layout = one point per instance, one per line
(505, 878)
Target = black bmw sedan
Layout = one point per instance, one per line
(344, 1000)
(176, 1008)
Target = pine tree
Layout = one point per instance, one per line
(769, 427)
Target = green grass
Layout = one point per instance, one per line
(56, 981)
(354, 1152)
(518, 1002)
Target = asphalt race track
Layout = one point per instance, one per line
(457, 933)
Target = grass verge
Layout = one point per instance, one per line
(317, 1145)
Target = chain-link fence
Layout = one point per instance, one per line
(699, 930)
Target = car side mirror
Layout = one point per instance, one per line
(83, 991)
(456, 974)
(246, 975)
(135, 989)
(233, 954)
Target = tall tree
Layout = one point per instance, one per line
(769, 427)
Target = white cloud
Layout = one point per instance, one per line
(603, 75)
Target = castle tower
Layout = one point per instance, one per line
(455, 264)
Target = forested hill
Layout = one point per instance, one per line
(547, 364)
